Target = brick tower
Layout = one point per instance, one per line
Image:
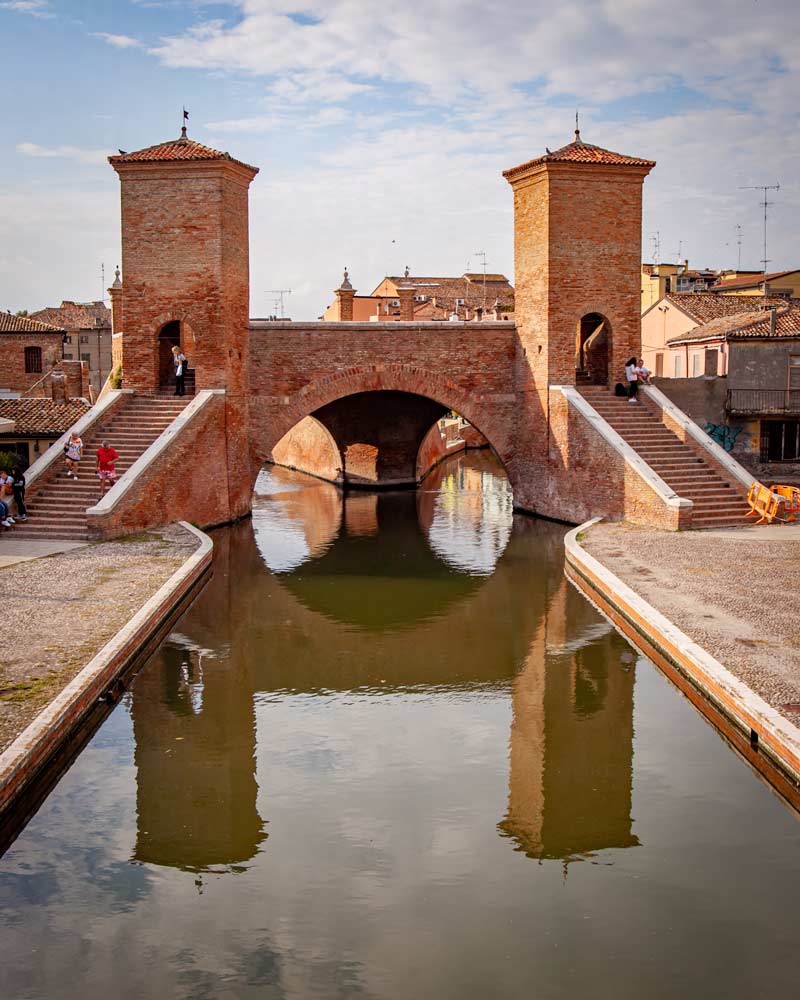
(185, 269)
(185, 264)
(577, 247)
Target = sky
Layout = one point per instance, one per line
(381, 130)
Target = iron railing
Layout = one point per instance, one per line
(763, 401)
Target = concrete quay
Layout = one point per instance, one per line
(719, 612)
(75, 624)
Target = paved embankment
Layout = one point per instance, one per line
(59, 612)
(721, 607)
(734, 592)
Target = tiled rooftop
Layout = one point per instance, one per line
(752, 324)
(582, 152)
(706, 306)
(25, 324)
(76, 315)
(753, 281)
(42, 416)
(173, 150)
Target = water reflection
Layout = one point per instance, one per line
(408, 760)
(375, 605)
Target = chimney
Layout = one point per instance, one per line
(406, 295)
(773, 320)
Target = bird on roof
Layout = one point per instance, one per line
(123, 152)
(547, 150)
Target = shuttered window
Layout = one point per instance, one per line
(33, 360)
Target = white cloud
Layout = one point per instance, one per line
(36, 8)
(119, 41)
(87, 156)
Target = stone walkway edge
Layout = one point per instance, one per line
(763, 730)
(30, 752)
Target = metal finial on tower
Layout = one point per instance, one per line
(577, 128)
(183, 126)
(406, 272)
(345, 280)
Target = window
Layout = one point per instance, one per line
(780, 440)
(84, 338)
(667, 285)
(678, 366)
(33, 360)
(68, 338)
(460, 302)
(87, 358)
(794, 371)
(695, 365)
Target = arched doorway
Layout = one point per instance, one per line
(593, 349)
(169, 336)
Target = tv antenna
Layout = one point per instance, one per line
(656, 238)
(739, 246)
(482, 253)
(279, 294)
(103, 283)
(765, 203)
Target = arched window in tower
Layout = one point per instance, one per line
(593, 349)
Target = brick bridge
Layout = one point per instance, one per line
(374, 390)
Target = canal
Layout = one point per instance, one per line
(390, 752)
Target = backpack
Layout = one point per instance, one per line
(620, 390)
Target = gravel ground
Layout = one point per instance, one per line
(734, 593)
(59, 611)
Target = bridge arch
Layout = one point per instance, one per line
(267, 428)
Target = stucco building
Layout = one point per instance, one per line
(678, 340)
(470, 296)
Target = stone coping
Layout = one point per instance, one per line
(31, 751)
(766, 730)
(55, 452)
(620, 445)
(386, 327)
(116, 495)
(731, 466)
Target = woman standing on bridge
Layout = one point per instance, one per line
(180, 370)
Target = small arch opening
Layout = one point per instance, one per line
(593, 348)
(169, 336)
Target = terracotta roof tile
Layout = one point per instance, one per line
(751, 282)
(25, 324)
(42, 416)
(173, 150)
(706, 306)
(582, 152)
(76, 315)
(745, 326)
(468, 287)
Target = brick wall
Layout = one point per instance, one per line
(12, 358)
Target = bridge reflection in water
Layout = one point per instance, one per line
(438, 592)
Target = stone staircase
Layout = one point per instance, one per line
(717, 501)
(57, 509)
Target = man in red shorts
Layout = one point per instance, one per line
(105, 467)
